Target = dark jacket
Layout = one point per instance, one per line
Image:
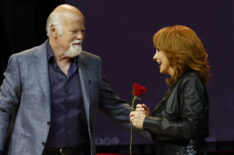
(179, 123)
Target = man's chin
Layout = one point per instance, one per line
(72, 54)
(74, 51)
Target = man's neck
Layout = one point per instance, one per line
(62, 61)
(59, 52)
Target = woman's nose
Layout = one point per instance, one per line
(155, 56)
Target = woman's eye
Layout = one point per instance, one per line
(73, 32)
(158, 49)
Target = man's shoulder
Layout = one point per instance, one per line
(91, 55)
(30, 51)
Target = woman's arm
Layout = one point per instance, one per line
(194, 114)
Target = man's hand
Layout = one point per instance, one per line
(143, 109)
(137, 119)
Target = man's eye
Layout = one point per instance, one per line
(75, 32)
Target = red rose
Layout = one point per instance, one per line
(138, 90)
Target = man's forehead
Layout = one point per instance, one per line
(70, 17)
(74, 22)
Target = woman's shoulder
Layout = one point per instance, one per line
(190, 79)
(189, 75)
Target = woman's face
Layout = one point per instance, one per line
(162, 60)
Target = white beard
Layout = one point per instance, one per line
(74, 50)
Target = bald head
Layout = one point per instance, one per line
(60, 14)
(65, 8)
(65, 29)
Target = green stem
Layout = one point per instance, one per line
(133, 100)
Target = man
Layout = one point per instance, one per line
(54, 90)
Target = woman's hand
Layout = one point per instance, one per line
(137, 119)
(143, 109)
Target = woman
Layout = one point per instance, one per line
(179, 122)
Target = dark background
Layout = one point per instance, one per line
(121, 31)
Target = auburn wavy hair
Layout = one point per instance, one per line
(184, 50)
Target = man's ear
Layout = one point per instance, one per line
(53, 31)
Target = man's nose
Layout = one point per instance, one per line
(80, 36)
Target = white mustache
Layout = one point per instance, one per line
(76, 42)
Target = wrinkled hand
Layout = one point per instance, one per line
(143, 109)
(137, 119)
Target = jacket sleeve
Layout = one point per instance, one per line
(116, 108)
(193, 114)
(111, 104)
(9, 97)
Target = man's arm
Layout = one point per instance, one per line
(112, 105)
(9, 97)
(115, 107)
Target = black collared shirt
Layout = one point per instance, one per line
(68, 122)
